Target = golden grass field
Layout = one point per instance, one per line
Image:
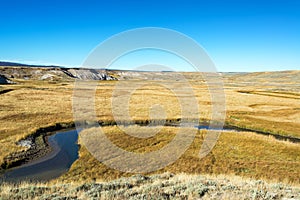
(250, 103)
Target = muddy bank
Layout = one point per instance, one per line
(64, 152)
(37, 144)
(5, 91)
(276, 136)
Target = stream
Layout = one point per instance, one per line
(64, 153)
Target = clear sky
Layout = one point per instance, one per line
(239, 35)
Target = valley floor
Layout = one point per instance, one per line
(264, 102)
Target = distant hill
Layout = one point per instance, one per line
(11, 70)
(16, 71)
(14, 64)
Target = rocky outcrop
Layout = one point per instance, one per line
(53, 74)
(33, 73)
(90, 74)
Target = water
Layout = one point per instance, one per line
(65, 152)
(59, 161)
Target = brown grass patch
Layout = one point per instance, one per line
(239, 153)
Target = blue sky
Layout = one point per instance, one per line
(238, 35)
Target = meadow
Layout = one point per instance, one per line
(258, 102)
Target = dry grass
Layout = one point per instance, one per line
(34, 104)
(240, 153)
(162, 186)
(29, 106)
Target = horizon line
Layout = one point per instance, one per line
(19, 63)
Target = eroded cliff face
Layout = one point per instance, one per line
(60, 73)
(89, 74)
(53, 73)
(10, 73)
